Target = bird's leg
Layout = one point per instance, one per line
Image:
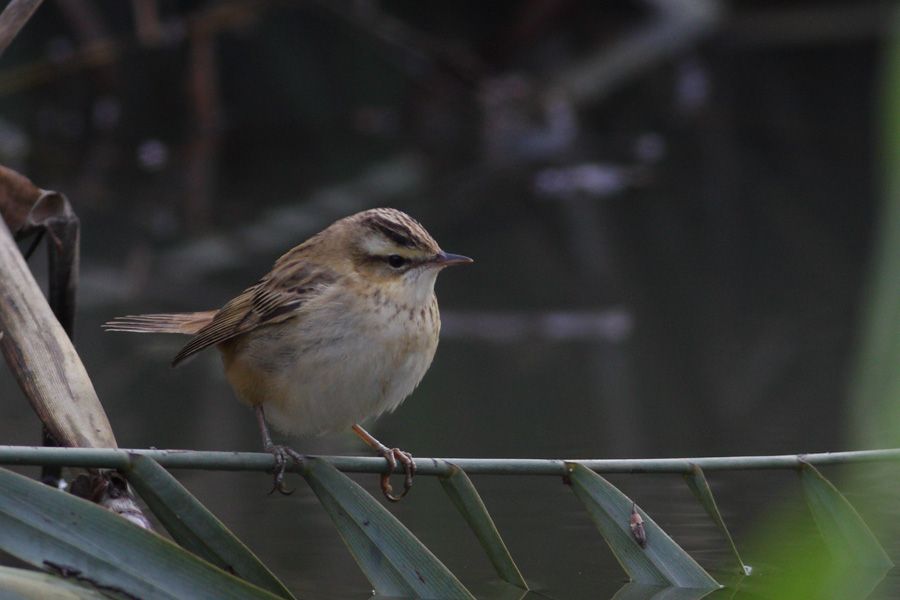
(392, 456)
(281, 453)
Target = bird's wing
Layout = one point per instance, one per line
(276, 297)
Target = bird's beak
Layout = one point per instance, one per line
(445, 259)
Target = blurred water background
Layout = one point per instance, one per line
(671, 206)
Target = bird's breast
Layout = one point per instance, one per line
(336, 366)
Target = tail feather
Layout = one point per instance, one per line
(183, 323)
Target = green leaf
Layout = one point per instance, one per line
(394, 561)
(45, 527)
(846, 535)
(661, 562)
(495, 589)
(640, 591)
(194, 527)
(21, 584)
(466, 499)
(696, 480)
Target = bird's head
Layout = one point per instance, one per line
(388, 248)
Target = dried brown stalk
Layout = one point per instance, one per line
(36, 347)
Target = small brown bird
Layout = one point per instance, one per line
(342, 329)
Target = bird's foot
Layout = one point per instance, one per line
(282, 454)
(392, 456)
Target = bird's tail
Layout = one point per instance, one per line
(184, 323)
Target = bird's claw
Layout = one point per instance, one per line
(392, 456)
(281, 454)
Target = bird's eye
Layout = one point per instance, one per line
(396, 261)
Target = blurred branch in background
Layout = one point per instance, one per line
(203, 149)
(420, 46)
(85, 20)
(109, 49)
(147, 24)
(675, 26)
(13, 19)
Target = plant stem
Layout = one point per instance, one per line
(252, 461)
